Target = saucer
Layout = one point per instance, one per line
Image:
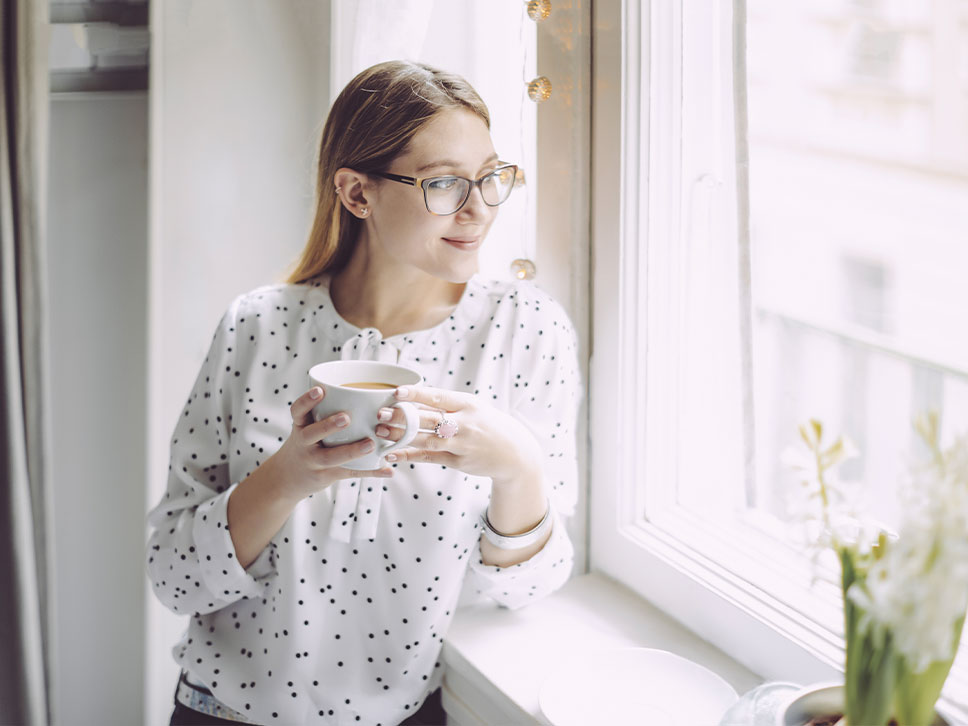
(632, 686)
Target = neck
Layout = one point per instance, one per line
(393, 299)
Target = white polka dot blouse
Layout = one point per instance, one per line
(342, 616)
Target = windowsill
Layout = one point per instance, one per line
(496, 658)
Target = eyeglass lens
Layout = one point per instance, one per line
(447, 194)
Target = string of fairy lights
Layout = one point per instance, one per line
(539, 90)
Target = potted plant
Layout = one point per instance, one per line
(904, 594)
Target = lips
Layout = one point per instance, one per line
(464, 243)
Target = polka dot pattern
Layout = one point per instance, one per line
(342, 616)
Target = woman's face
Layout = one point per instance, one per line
(402, 231)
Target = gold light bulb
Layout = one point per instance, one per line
(523, 269)
(539, 89)
(539, 10)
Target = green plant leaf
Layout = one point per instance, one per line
(915, 694)
(817, 430)
(869, 670)
(805, 435)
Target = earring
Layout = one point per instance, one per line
(338, 190)
(364, 211)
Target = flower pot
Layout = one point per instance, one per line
(823, 699)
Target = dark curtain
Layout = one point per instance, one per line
(25, 633)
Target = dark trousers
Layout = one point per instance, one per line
(430, 714)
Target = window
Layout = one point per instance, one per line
(782, 239)
(858, 191)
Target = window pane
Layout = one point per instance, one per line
(858, 130)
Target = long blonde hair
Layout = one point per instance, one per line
(371, 123)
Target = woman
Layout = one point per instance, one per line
(319, 594)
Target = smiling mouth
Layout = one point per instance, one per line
(464, 243)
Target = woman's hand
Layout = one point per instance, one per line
(261, 503)
(488, 442)
(305, 467)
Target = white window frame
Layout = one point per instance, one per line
(739, 586)
(637, 127)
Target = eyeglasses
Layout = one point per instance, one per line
(445, 195)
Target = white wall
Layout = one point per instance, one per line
(239, 92)
(97, 261)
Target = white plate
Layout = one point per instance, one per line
(626, 686)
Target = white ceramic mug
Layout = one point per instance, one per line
(362, 404)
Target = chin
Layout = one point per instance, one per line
(461, 279)
(457, 274)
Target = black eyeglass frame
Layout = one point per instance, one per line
(422, 182)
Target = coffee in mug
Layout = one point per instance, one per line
(361, 388)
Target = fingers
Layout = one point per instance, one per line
(431, 442)
(396, 422)
(395, 416)
(435, 397)
(423, 456)
(315, 432)
(384, 473)
(302, 408)
(328, 457)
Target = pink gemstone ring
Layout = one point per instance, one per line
(446, 428)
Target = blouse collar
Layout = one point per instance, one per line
(468, 312)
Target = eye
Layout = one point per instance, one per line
(444, 183)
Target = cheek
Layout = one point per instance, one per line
(414, 227)
(493, 216)
(486, 226)
(432, 229)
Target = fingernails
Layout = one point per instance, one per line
(403, 393)
(385, 414)
(315, 392)
(391, 457)
(368, 447)
(382, 431)
(342, 420)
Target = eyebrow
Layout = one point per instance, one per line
(451, 163)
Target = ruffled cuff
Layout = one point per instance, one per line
(516, 586)
(220, 569)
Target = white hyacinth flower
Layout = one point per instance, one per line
(825, 506)
(919, 589)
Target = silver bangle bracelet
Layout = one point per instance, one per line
(516, 541)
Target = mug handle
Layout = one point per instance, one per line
(412, 415)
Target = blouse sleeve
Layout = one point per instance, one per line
(190, 556)
(546, 392)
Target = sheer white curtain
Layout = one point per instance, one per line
(489, 42)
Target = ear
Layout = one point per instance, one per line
(352, 189)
